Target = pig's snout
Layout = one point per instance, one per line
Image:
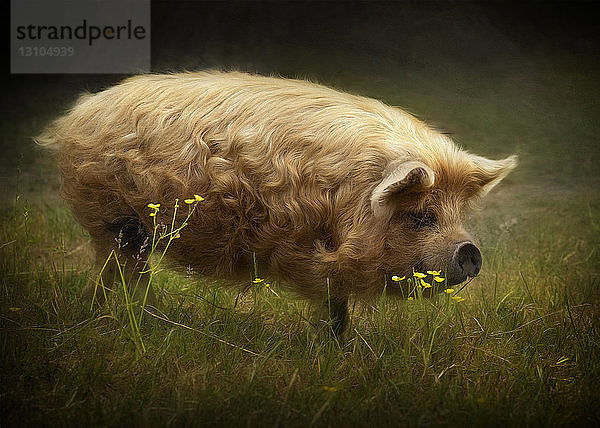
(466, 261)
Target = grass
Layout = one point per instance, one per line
(522, 349)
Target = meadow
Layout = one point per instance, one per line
(521, 349)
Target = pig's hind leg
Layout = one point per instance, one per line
(126, 241)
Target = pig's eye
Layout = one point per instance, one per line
(422, 219)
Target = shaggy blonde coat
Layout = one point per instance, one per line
(288, 169)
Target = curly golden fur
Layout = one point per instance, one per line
(288, 169)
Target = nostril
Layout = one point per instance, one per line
(468, 259)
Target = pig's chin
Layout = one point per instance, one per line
(453, 277)
(456, 279)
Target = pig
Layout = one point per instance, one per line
(329, 193)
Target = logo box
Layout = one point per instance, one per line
(85, 36)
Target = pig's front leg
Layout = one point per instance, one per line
(337, 309)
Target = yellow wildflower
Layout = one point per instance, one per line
(438, 279)
(410, 298)
(458, 299)
(14, 309)
(434, 272)
(155, 208)
(396, 278)
(189, 201)
(257, 280)
(198, 198)
(425, 284)
(449, 290)
(419, 275)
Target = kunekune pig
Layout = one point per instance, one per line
(330, 192)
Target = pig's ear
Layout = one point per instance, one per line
(404, 178)
(488, 173)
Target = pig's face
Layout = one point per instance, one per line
(424, 208)
(429, 235)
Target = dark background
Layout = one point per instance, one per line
(266, 36)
